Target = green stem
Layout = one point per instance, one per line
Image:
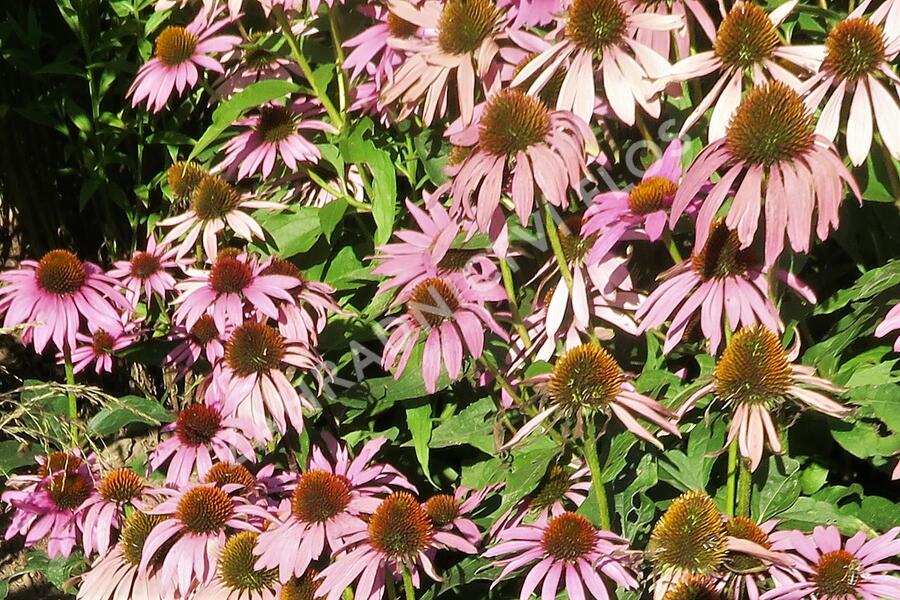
(669, 241)
(745, 480)
(389, 586)
(70, 392)
(362, 206)
(645, 133)
(301, 61)
(553, 235)
(891, 167)
(507, 386)
(408, 584)
(343, 83)
(593, 461)
(513, 305)
(732, 475)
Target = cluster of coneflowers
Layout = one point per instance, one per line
(525, 94)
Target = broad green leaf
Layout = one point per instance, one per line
(418, 419)
(294, 231)
(384, 200)
(634, 509)
(780, 489)
(13, 455)
(127, 411)
(470, 427)
(691, 471)
(529, 465)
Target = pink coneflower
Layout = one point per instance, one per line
(253, 380)
(98, 348)
(831, 568)
(201, 433)
(451, 313)
(746, 49)
(147, 271)
(891, 323)
(237, 578)
(456, 40)
(104, 512)
(517, 144)
(233, 287)
(305, 318)
(661, 41)
(858, 64)
(116, 575)
(451, 512)
(747, 573)
(755, 376)
(193, 533)
(641, 212)
(567, 548)
(277, 131)
(177, 54)
(771, 156)
(588, 378)
(598, 45)
(54, 294)
(253, 62)
(215, 203)
(719, 286)
(326, 504)
(399, 536)
(203, 339)
(528, 13)
(46, 504)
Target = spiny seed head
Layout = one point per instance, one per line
(512, 121)
(557, 482)
(753, 369)
(400, 28)
(60, 272)
(121, 485)
(855, 48)
(204, 330)
(134, 533)
(59, 462)
(434, 300)
(574, 246)
(690, 536)
(743, 528)
(143, 265)
(693, 588)
(228, 473)
(456, 260)
(69, 489)
(254, 348)
(465, 24)
(236, 565)
(550, 92)
(569, 537)
(770, 125)
(204, 510)
(230, 275)
(197, 424)
(400, 526)
(102, 342)
(721, 255)
(175, 45)
(276, 123)
(320, 496)
(279, 266)
(596, 24)
(213, 198)
(257, 56)
(837, 575)
(585, 376)
(443, 509)
(651, 195)
(458, 154)
(746, 37)
(184, 177)
(304, 588)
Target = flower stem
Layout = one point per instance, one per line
(648, 137)
(732, 475)
(343, 83)
(73, 401)
(745, 479)
(593, 461)
(389, 586)
(513, 305)
(301, 61)
(671, 246)
(507, 386)
(553, 235)
(408, 584)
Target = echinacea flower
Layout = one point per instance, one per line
(197, 520)
(452, 512)
(55, 295)
(745, 574)
(215, 203)
(694, 588)
(517, 144)
(456, 42)
(104, 513)
(723, 286)
(277, 131)
(202, 432)
(183, 178)
(234, 286)
(753, 377)
(858, 64)
(178, 52)
(774, 160)
(528, 13)
(661, 41)
(253, 378)
(253, 62)
(203, 339)
(237, 578)
(327, 502)
(747, 48)
(98, 348)
(642, 211)
(47, 504)
(147, 271)
(565, 550)
(598, 44)
(890, 323)
(303, 588)
(451, 313)
(116, 575)
(304, 318)
(588, 378)
(832, 568)
(399, 536)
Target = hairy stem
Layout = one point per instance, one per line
(593, 461)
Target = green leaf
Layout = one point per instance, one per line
(812, 479)
(294, 231)
(330, 215)
(127, 411)
(384, 200)
(229, 111)
(634, 507)
(780, 490)
(863, 440)
(528, 468)
(59, 570)
(418, 419)
(469, 427)
(691, 471)
(880, 513)
(14, 455)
